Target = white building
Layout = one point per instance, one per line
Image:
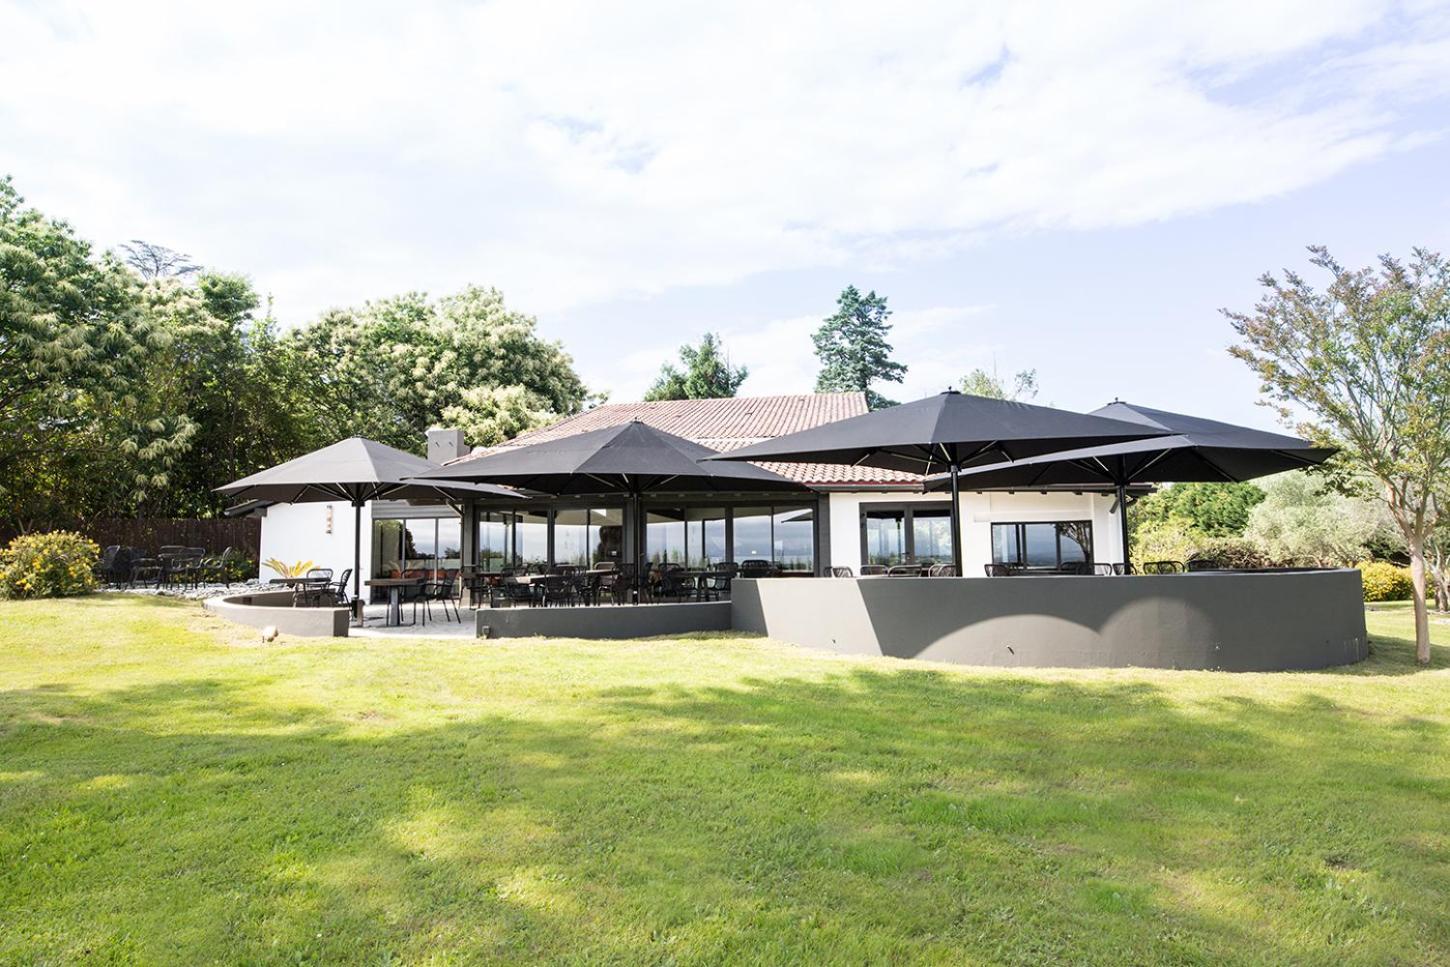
(852, 517)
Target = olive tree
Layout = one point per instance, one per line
(1366, 361)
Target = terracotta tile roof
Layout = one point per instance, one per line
(728, 424)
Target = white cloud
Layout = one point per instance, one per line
(579, 152)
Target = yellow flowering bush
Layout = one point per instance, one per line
(49, 565)
(1384, 581)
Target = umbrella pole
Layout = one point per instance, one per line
(1123, 522)
(356, 563)
(641, 575)
(956, 523)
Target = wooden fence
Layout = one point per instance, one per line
(244, 534)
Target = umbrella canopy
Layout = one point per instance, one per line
(631, 458)
(945, 432)
(355, 470)
(1197, 450)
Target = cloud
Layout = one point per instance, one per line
(576, 153)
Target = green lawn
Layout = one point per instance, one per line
(172, 790)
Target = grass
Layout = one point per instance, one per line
(172, 790)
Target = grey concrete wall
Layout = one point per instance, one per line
(626, 621)
(1234, 622)
(264, 608)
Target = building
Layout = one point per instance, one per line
(850, 517)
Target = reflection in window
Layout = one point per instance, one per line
(752, 534)
(931, 536)
(794, 540)
(495, 541)
(906, 535)
(449, 551)
(664, 538)
(1047, 544)
(531, 539)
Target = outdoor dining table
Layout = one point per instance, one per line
(395, 586)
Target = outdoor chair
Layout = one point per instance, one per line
(513, 592)
(1105, 570)
(104, 565)
(339, 587)
(441, 593)
(148, 570)
(941, 571)
(678, 584)
(558, 589)
(1204, 564)
(1001, 570)
(842, 572)
(756, 568)
(1078, 568)
(715, 584)
(1162, 567)
(904, 571)
(872, 570)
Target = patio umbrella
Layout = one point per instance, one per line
(631, 459)
(948, 431)
(355, 470)
(1196, 451)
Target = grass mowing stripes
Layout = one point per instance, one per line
(171, 790)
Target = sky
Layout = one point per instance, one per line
(1072, 188)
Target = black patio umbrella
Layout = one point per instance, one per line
(355, 470)
(1196, 451)
(949, 431)
(631, 459)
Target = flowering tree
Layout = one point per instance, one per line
(1368, 359)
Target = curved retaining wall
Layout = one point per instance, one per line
(262, 608)
(1230, 621)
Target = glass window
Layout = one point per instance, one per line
(931, 536)
(752, 534)
(495, 540)
(420, 545)
(885, 536)
(1048, 544)
(795, 538)
(606, 534)
(531, 539)
(387, 548)
(571, 537)
(664, 539)
(450, 543)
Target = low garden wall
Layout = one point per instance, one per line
(1242, 621)
(260, 609)
(625, 621)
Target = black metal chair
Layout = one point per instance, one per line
(441, 593)
(679, 585)
(842, 572)
(755, 567)
(941, 571)
(1162, 567)
(148, 570)
(1078, 568)
(1001, 570)
(904, 571)
(557, 589)
(1205, 564)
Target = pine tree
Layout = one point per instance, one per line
(852, 347)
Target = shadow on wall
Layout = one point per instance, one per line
(1246, 622)
(854, 817)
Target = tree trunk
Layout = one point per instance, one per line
(1422, 617)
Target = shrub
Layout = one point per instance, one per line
(48, 565)
(1384, 581)
(1233, 552)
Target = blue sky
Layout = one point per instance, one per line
(1069, 188)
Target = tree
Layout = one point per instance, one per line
(157, 261)
(852, 347)
(1301, 520)
(1368, 358)
(979, 382)
(81, 432)
(1212, 509)
(490, 415)
(391, 369)
(707, 374)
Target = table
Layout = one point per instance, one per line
(394, 617)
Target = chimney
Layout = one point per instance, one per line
(446, 444)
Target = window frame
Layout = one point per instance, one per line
(1021, 539)
(908, 510)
